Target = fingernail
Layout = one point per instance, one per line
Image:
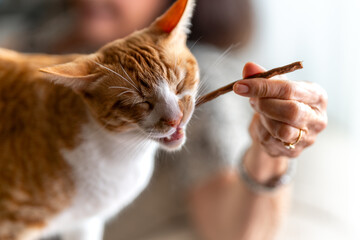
(241, 88)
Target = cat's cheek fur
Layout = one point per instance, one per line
(187, 106)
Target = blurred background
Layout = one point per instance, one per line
(322, 33)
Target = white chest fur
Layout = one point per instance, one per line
(110, 171)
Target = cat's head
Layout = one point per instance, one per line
(146, 81)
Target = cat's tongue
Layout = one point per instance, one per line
(179, 134)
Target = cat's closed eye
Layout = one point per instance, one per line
(146, 105)
(144, 84)
(142, 105)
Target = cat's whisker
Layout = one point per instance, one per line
(143, 145)
(141, 134)
(130, 91)
(135, 100)
(115, 87)
(202, 88)
(139, 144)
(129, 78)
(137, 141)
(218, 61)
(150, 133)
(186, 148)
(135, 144)
(200, 94)
(140, 148)
(196, 42)
(117, 74)
(224, 54)
(194, 116)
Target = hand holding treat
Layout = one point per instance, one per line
(269, 74)
(289, 115)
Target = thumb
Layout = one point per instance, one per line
(251, 68)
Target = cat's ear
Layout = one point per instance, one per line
(76, 75)
(177, 19)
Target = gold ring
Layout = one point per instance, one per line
(291, 146)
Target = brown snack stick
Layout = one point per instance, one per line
(269, 74)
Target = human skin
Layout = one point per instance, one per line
(223, 207)
(98, 22)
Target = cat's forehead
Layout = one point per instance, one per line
(148, 61)
(143, 47)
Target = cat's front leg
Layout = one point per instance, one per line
(92, 229)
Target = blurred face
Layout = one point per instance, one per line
(101, 21)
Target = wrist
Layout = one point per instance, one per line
(262, 167)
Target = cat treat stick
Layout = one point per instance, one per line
(269, 74)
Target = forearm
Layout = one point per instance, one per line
(262, 214)
(223, 207)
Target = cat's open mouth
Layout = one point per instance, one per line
(175, 140)
(178, 135)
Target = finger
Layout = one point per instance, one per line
(251, 69)
(283, 132)
(262, 136)
(272, 146)
(293, 113)
(288, 134)
(308, 93)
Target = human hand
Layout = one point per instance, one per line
(283, 108)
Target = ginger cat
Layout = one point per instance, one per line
(74, 153)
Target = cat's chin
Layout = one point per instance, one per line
(173, 142)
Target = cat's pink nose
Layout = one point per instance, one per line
(174, 122)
